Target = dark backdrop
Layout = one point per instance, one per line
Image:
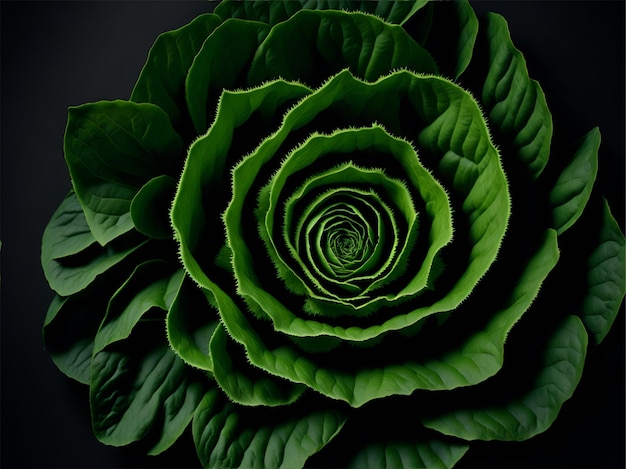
(56, 54)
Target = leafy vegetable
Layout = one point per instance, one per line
(314, 216)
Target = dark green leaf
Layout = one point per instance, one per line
(572, 189)
(150, 208)
(515, 104)
(113, 148)
(227, 435)
(535, 410)
(330, 41)
(162, 79)
(606, 278)
(70, 256)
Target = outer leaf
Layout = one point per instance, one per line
(276, 12)
(70, 256)
(535, 411)
(606, 278)
(452, 36)
(243, 383)
(261, 437)
(112, 149)
(515, 104)
(433, 454)
(571, 192)
(330, 41)
(82, 315)
(148, 287)
(221, 63)
(162, 79)
(134, 389)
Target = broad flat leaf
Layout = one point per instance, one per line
(606, 278)
(432, 454)
(112, 148)
(151, 284)
(227, 435)
(136, 390)
(149, 209)
(572, 189)
(82, 314)
(162, 79)
(276, 12)
(330, 41)
(533, 412)
(190, 324)
(221, 63)
(70, 256)
(452, 36)
(515, 104)
(242, 382)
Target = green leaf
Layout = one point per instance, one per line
(207, 179)
(81, 314)
(149, 209)
(330, 41)
(70, 256)
(452, 36)
(227, 435)
(162, 79)
(606, 278)
(515, 104)
(112, 148)
(432, 454)
(190, 325)
(221, 63)
(453, 135)
(276, 12)
(573, 187)
(150, 286)
(535, 410)
(137, 391)
(242, 382)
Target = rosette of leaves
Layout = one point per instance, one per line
(329, 232)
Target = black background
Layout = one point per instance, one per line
(57, 54)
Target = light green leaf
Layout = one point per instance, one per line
(162, 79)
(149, 209)
(227, 435)
(276, 12)
(606, 278)
(221, 63)
(536, 409)
(432, 454)
(190, 325)
(572, 189)
(515, 104)
(112, 148)
(330, 41)
(70, 256)
(241, 381)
